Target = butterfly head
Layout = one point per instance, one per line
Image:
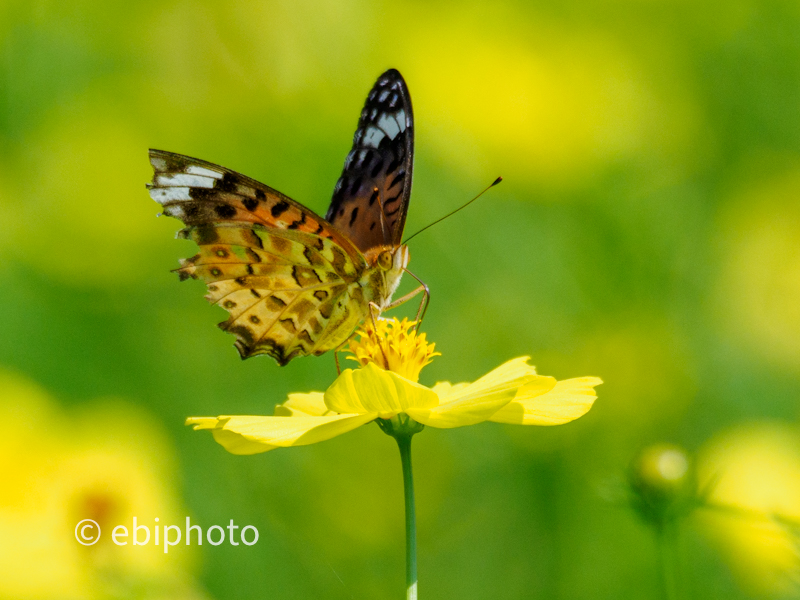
(388, 258)
(391, 261)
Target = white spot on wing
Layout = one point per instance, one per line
(372, 137)
(389, 125)
(159, 164)
(196, 170)
(400, 117)
(183, 179)
(174, 210)
(171, 194)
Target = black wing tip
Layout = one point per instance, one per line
(392, 74)
(159, 158)
(156, 153)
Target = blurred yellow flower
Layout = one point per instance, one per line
(511, 393)
(107, 462)
(754, 476)
(759, 282)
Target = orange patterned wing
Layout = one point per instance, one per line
(200, 192)
(285, 275)
(370, 200)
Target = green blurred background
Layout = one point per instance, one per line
(647, 232)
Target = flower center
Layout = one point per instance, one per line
(395, 346)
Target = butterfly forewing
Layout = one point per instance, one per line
(370, 200)
(199, 192)
(281, 271)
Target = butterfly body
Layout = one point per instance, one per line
(294, 283)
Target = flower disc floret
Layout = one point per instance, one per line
(394, 346)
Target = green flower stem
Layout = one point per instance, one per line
(667, 546)
(404, 443)
(402, 428)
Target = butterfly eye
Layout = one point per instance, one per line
(385, 260)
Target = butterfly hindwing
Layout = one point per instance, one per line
(287, 293)
(370, 200)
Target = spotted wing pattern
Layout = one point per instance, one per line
(284, 274)
(370, 200)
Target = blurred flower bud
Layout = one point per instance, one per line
(662, 483)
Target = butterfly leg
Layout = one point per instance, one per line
(374, 310)
(336, 358)
(339, 348)
(423, 305)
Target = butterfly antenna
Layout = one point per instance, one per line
(450, 214)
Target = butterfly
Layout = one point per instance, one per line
(294, 283)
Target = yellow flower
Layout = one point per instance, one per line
(753, 472)
(511, 393)
(107, 461)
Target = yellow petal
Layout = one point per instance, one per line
(568, 400)
(509, 374)
(238, 444)
(198, 423)
(468, 404)
(311, 404)
(370, 389)
(250, 435)
(444, 389)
